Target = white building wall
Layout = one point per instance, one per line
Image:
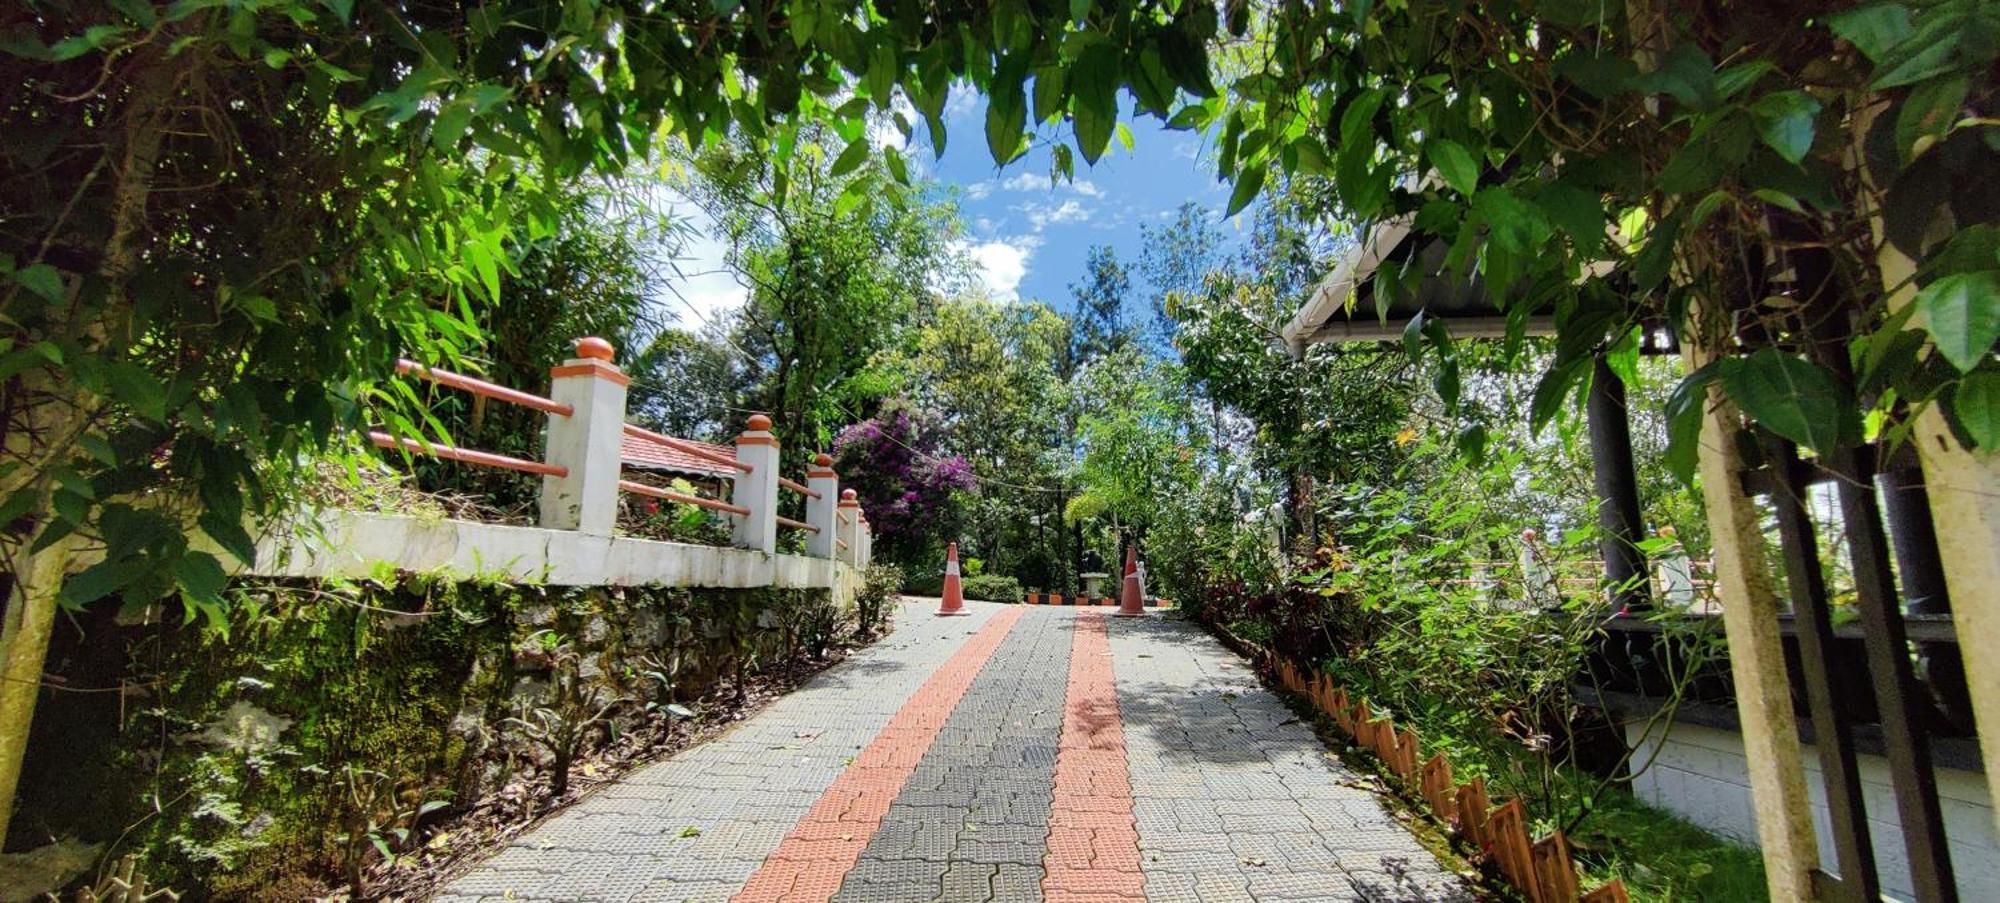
(1700, 774)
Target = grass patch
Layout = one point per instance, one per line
(1663, 857)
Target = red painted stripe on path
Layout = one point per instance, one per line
(822, 848)
(1093, 840)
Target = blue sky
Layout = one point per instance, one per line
(1031, 237)
(1027, 238)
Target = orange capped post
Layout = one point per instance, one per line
(953, 602)
(1131, 600)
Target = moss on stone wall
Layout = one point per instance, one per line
(237, 766)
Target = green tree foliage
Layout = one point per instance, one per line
(1176, 257)
(688, 383)
(1140, 438)
(1100, 300)
(222, 223)
(835, 263)
(1616, 167)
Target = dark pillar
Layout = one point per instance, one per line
(1618, 517)
(1907, 507)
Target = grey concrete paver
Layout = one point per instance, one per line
(980, 798)
(696, 826)
(1234, 800)
(1237, 800)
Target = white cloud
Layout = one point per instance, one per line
(1001, 265)
(882, 129)
(703, 286)
(1042, 215)
(960, 101)
(979, 190)
(1028, 181)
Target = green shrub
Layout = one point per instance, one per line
(871, 603)
(992, 588)
(920, 583)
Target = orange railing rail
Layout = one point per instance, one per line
(682, 497)
(686, 447)
(576, 442)
(469, 456)
(482, 387)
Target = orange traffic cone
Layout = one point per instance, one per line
(954, 597)
(1132, 600)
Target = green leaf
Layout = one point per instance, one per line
(1731, 81)
(1687, 74)
(1649, 267)
(1974, 405)
(882, 74)
(1785, 122)
(1006, 117)
(137, 388)
(43, 280)
(1249, 182)
(1962, 314)
(228, 533)
(1455, 164)
(1578, 213)
(1553, 389)
(1516, 226)
(1873, 29)
(1944, 34)
(1471, 443)
(93, 38)
(201, 576)
(1793, 397)
(1094, 83)
(100, 580)
(1928, 113)
(1124, 133)
(851, 158)
(1684, 411)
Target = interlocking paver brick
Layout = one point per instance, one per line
(1259, 810)
(1081, 759)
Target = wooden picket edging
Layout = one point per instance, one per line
(1543, 870)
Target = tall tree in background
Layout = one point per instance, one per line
(990, 371)
(1175, 257)
(834, 265)
(1100, 298)
(689, 383)
(1328, 415)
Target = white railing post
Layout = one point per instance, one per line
(850, 528)
(821, 507)
(586, 441)
(867, 543)
(758, 489)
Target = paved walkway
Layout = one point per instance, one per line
(1017, 754)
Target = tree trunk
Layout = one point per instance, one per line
(24, 647)
(58, 413)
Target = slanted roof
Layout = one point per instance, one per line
(640, 454)
(1433, 288)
